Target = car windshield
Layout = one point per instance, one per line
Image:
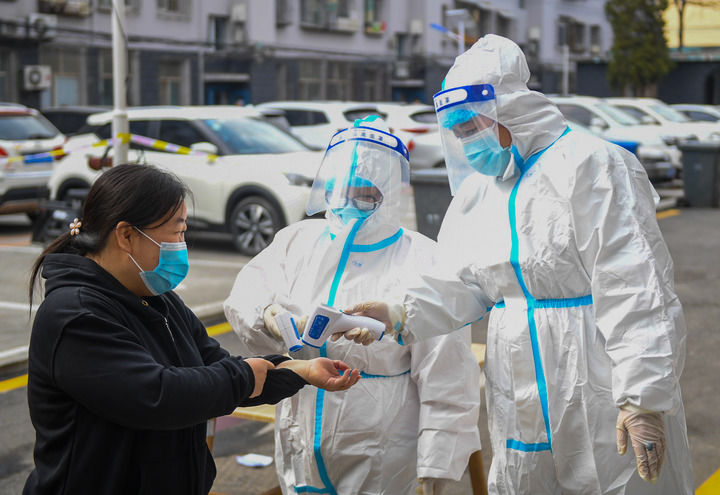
(425, 117)
(669, 113)
(622, 118)
(247, 136)
(15, 127)
(361, 113)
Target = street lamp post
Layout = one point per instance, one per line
(460, 14)
(119, 59)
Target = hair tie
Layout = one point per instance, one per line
(75, 227)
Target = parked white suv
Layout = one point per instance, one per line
(315, 122)
(673, 125)
(259, 183)
(417, 126)
(699, 113)
(661, 160)
(24, 131)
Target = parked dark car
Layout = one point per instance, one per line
(70, 119)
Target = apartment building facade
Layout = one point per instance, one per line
(58, 52)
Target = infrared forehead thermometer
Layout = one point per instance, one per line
(326, 321)
(286, 324)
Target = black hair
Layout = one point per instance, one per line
(138, 194)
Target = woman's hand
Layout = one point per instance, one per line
(260, 368)
(324, 373)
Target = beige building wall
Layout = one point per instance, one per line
(702, 26)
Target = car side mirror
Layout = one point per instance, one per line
(598, 124)
(205, 147)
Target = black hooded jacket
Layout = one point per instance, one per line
(120, 387)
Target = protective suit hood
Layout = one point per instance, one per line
(533, 120)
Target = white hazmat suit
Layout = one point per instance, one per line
(415, 411)
(566, 250)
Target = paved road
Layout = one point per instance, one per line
(694, 240)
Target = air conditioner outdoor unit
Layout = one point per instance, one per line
(402, 69)
(238, 13)
(347, 24)
(36, 77)
(42, 26)
(238, 34)
(416, 26)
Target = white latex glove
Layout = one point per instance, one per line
(359, 335)
(430, 486)
(647, 434)
(271, 325)
(391, 314)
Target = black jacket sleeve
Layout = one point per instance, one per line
(105, 368)
(279, 383)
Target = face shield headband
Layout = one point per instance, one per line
(469, 132)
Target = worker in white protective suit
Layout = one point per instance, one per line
(554, 232)
(409, 423)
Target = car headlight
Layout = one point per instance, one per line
(298, 180)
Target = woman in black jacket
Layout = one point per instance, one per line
(122, 375)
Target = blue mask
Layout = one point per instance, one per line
(172, 268)
(348, 209)
(349, 213)
(486, 155)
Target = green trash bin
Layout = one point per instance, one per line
(701, 173)
(431, 190)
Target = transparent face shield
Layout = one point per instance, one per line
(469, 132)
(364, 173)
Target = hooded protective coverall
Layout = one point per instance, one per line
(409, 416)
(566, 250)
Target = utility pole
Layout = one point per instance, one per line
(461, 14)
(119, 58)
(566, 70)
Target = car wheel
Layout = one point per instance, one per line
(253, 224)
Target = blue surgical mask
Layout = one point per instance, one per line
(172, 268)
(486, 155)
(349, 208)
(349, 213)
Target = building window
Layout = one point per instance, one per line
(106, 5)
(283, 12)
(338, 81)
(106, 93)
(281, 81)
(371, 85)
(106, 78)
(174, 7)
(374, 23)
(4, 79)
(170, 81)
(67, 75)
(595, 40)
(79, 8)
(219, 32)
(327, 14)
(562, 37)
(503, 26)
(310, 80)
(577, 37)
